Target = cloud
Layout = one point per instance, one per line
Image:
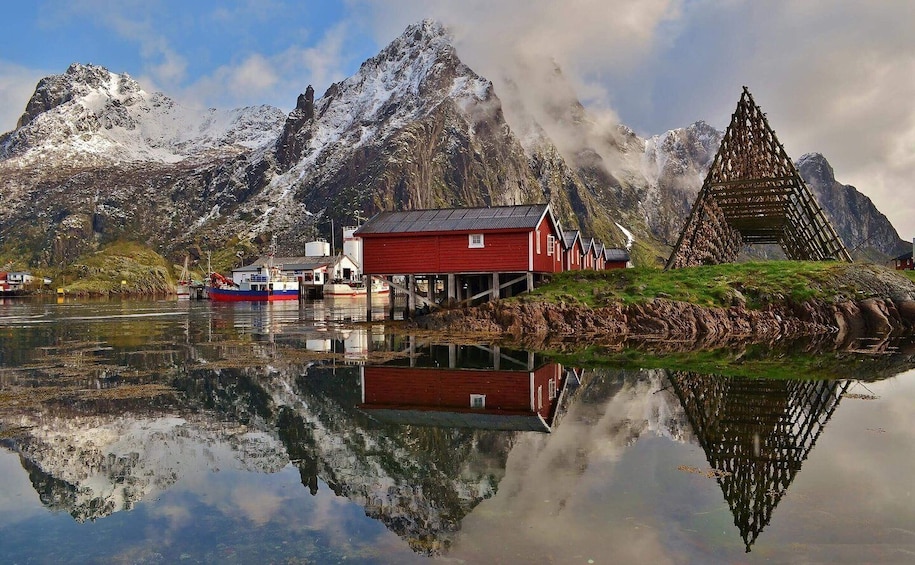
(17, 84)
(275, 79)
(137, 22)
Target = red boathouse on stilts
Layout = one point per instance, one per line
(462, 254)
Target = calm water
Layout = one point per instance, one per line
(167, 432)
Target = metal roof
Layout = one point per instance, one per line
(615, 254)
(288, 263)
(569, 237)
(455, 219)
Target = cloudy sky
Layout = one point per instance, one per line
(834, 76)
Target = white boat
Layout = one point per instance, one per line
(354, 288)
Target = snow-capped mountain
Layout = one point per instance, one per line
(89, 115)
(95, 158)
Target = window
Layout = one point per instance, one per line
(552, 388)
(476, 240)
(537, 237)
(550, 244)
(478, 401)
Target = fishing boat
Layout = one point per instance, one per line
(266, 284)
(266, 287)
(341, 287)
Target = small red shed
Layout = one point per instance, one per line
(598, 249)
(615, 258)
(587, 253)
(571, 259)
(904, 262)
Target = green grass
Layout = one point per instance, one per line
(121, 267)
(755, 284)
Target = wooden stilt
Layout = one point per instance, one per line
(368, 297)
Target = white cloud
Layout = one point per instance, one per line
(277, 79)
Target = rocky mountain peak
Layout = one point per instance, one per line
(406, 81)
(78, 82)
(815, 166)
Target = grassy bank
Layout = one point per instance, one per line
(755, 284)
(123, 267)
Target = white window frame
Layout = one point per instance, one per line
(478, 401)
(475, 244)
(550, 244)
(537, 237)
(552, 388)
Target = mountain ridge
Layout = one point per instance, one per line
(95, 158)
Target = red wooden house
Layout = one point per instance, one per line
(478, 398)
(615, 258)
(904, 262)
(587, 253)
(477, 249)
(598, 250)
(571, 258)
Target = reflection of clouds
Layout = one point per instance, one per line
(256, 505)
(177, 516)
(554, 485)
(866, 453)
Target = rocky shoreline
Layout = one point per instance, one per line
(886, 309)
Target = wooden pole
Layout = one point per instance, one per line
(368, 297)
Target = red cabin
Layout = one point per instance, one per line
(462, 240)
(904, 262)
(571, 259)
(587, 253)
(598, 249)
(480, 252)
(615, 258)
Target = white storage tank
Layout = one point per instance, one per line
(317, 248)
(352, 245)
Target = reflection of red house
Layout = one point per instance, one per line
(486, 399)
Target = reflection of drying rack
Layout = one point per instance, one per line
(757, 432)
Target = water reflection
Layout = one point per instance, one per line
(393, 447)
(756, 434)
(478, 387)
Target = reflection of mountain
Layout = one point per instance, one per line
(93, 466)
(256, 407)
(756, 433)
